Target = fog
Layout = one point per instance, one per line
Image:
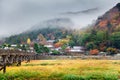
(17, 16)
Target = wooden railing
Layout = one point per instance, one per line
(9, 57)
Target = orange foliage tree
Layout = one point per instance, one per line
(58, 44)
(94, 52)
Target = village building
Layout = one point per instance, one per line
(75, 51)
(50, 44)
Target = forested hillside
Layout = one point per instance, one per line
(110, 20)
(105, 34)
(48, 33)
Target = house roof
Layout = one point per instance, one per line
(50, 41)
(73, 50)
(49, 46)
(78, 47)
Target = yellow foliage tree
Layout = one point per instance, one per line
(28, 41)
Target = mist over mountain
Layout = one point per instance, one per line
(17, 16)
(51, 29)
(109, 21)
(54, 23)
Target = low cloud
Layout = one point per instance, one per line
(19, 15)
(87, 11)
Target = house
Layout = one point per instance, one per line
(50, 44)
(75, 51)
(13, 45)
(51, 47)
(31, 49)
(58, 49)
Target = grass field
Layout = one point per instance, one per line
(64, 70)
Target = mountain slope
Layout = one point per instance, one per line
(105, 34)
(110, 20)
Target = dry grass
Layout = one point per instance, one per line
(64, 70)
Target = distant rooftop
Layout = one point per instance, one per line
(50, 41)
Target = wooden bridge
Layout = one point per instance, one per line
(9, 57)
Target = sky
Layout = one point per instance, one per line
(17, 16)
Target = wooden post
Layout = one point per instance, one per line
(28, 59)
(19, 61)
(4, 65)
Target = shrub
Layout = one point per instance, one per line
(55, 52)
(94, 52)
(112, 51)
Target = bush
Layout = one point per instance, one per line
(94, 52)
(112, 51)
(55, 52)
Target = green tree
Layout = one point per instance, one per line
(36, 48)
(18, 46)
(23, 47)
(85, 38)
(100, 36)
(4, 45)
(64, 47)
(115, 39)
(46, 50)
(9, 45)
(41, 49)
(71, 43)
(90, 45)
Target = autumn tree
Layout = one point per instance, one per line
(28, 41)
(41, 39)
